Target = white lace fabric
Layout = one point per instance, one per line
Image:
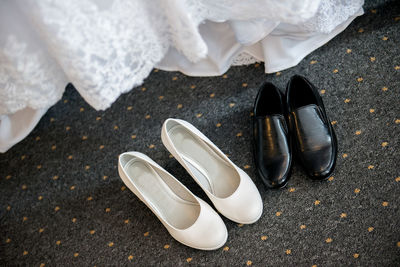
(107, 47)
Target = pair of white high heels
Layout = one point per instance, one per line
(188, 218)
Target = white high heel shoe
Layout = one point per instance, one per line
(187, 218)
(230, 189)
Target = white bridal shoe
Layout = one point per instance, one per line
(230, 189)
(187, 218)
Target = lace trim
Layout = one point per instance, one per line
(244, 58)
(27, 79)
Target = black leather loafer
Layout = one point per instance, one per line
(314, 140)
(272, 149)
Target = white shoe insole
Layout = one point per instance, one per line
(212, 171)
(177, 212)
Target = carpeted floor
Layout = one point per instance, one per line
(62, 202)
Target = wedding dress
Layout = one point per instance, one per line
(107, 47)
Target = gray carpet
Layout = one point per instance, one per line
(62, 202)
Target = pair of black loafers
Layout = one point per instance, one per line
(294, 123)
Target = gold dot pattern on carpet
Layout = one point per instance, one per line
(343, 103)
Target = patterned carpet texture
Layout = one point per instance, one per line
(62, 202)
